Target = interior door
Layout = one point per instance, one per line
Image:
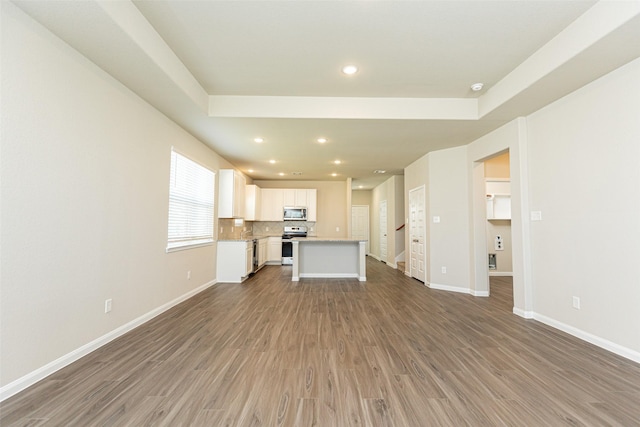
(383, 231)
(417, 233)
(360, 223)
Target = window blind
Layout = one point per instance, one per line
(191, 196)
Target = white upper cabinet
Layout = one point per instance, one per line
(253, 203)
(272, 204)
(498, 199)
(289, 197)
(312, 204)
(275, 199)
(231, 194)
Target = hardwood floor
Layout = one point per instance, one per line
(386, 352)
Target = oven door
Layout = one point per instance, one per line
(287, 251)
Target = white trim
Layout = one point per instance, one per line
(449, 288)
(501, 273)
(479, 293)
(329, 275)
(376, 257)
(33, 377)
(593, 339)
(525, 314)
(394, 265)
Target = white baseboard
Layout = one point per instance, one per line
(479, 293)
(593, 339)
(449, 288)
(329, 275)
(394, 266)
(523, 313)
(500, 273)
(376, 257)
(31, 378)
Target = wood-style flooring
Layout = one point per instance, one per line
(386, 352)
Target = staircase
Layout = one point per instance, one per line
(401, 265)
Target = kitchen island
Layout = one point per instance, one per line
(332, 257)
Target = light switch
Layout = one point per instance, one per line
(536, 215)
(436, 219)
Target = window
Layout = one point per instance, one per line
(191, 191)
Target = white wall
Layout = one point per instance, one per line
(446, 178)
(448, 199)
(85, 173)
(584, 166)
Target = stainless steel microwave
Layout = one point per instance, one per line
(295, 213)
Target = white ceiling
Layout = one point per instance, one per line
(230, 71)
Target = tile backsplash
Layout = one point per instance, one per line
(229, 228)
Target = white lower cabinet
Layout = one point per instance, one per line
(234, 261)
(263, 247)
(274, 252)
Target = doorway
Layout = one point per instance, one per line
(417, 233)
(360, 224)
(497, 179)
(383, 230)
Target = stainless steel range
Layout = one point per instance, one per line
(287, 248)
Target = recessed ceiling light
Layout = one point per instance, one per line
(337, 162)
(250, 170)
(259, 140)
(360, 186)
(476, 87)
(322, 140)
(334, 174)
(349, 70)
(281, 174)
(379, 171)
(272, 161)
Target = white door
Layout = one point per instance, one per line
(360, 224)
(383, 231)
(417, 233)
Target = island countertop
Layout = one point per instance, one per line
(327, 239)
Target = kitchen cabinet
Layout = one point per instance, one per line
(253, 203)
(274, 250)
(234, 260)
(272, 204)
(312, 205)
(298, 197)
(231, 194)
(275, 199)
(263, 247)
(498, 199)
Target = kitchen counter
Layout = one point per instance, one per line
(245, 239)
(329, 257)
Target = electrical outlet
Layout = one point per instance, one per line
(498, 244)
(189, 275)
(107, 305)
(337, 228)
(576, 303)
(444, 270)
(266, 229)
